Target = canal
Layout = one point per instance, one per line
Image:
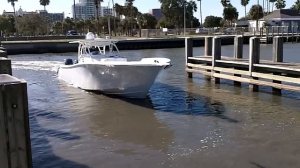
(183, 122)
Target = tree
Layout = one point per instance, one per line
(173, 11)
(280, 4)
(13, 5)
(256, 13)
(230, 14)
(212, 21)
(119, 10)
(32, 24)
(147, 21)
(7, 25)
(245, 3)
(225, 3)
(44, 3)
(296, 6)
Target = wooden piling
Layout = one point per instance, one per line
(238, 54)
(3, 52)
(254, 56)
(277, 57)
(208, 52)
(5, 66)
(238, 47)
(278, 49)
(15, 148)
(208, 46)
(188, 52)
(217, 50)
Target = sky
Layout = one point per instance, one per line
(209, 7)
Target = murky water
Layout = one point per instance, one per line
(183, 123)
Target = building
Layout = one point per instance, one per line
(157, 13)
(86, 9)
(281, 17)
(106, 11)
(51, 17)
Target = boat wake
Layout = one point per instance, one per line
(36, 65)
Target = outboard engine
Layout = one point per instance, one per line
(68, 61)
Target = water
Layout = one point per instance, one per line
(183, 123)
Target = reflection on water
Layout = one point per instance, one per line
(183, 122)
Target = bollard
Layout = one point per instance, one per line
(15, 148)
(188, 53)
(277, 57)
(254, 56)
(217, 50)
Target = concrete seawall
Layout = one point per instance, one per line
(62, 46)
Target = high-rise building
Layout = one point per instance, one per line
(86, 9)
(156, 13)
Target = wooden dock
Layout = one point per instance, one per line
(276, 73)
(15, 147)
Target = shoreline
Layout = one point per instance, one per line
(62, 45)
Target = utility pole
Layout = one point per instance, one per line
(114, 15)
(200, 11)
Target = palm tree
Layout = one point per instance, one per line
(245, 3)
(296, 6)
(200, 9)
(44, 3)
(225, 3)
(280, 4)
(13, 5)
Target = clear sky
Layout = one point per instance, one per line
(209, 7)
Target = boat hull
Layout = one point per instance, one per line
(133, 81)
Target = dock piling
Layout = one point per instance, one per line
(238, 47)
(5, 66)
(208, 46)
(278, 49)
(254, 56)
(3, 52)
(238, 54)
(217, 50)
(15, 148)
(208, 52)
(188, 52)
(277, 57)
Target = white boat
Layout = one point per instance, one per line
(101, 68)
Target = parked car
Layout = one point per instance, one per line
(72, 33)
